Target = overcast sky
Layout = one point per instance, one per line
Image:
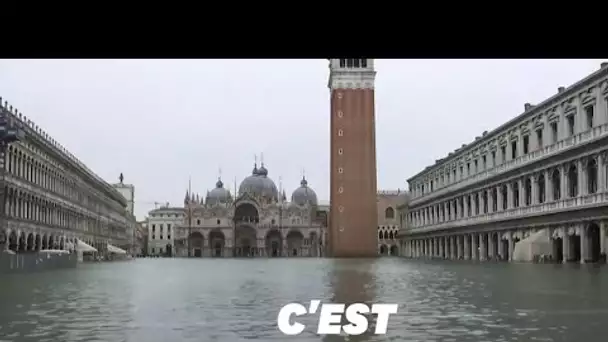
(163, 121)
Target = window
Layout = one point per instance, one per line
(589, 112)
(198, 222)
(461, 171)
(364, 63)
(503, 153)
(349, 63)
(389, 213)
(526, 144)
(153, 227)
(468, 169)
(168, 237)
(356, 62)
(515, 195)
(152, 250)
(493, 158)
(483, 162)
(161, 237)
(153, 237)
(431, 189)
(340, 133)
(513, 149)
(475, 163)
(219, 222)
(539, 138)
(571, 125)
(554, 132)
(168, 227)
(342, 63)
(340, 151)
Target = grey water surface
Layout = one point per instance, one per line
(158, 300)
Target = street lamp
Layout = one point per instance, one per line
(9, 133)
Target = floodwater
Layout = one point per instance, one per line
(158, 300)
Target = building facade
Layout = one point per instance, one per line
(51, 199)
(388, 202)
(540, 176)
(161, 225)
(259, 222)
(353, 213)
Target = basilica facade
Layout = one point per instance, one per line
(258, 221)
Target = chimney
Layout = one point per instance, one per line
(603, 65)
(561, 89)
(527, 106)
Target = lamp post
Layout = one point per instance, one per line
(9, 133)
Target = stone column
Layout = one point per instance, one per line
(501, 247)
(584, 243)
(498, 199)
(454, 247)
(510, 191)
(563, 172)
(490, 201)
(473, 205)
(491, 251)
(483, 248)
(474, 246)
(548, 186)
(466, 243)
(511, 245)
(565, 244)
(465, 205)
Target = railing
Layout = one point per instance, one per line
(545, 152)
(580, 202)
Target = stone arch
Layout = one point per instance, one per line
(22, 242)
(245, 239)
(30, 242)
(385, 235)
(13, 241)
(295, 241)
(394, 250)
(389, 213)
(196, 243)
(383, 250)
(217, 242)
(274, 243)
(594, 243)
(246, 212)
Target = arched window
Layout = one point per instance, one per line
(385, 235)
(390, 235)
(541, 188)
(389, 213)
(505, 197)
(515, 194)
(572, 181)
(556, 184)
(485, 202)
(592, 176)
(342, 63)
(528, 191)
(380, 235)
(494, 199)
(469, 205)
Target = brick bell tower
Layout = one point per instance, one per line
(353, 209)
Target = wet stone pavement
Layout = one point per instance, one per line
(158, 300)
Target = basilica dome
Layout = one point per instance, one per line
(304, 194)
(258, 184)
(218, 195)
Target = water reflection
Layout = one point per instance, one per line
(160, 300)
(352, 281)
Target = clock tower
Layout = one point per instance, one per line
(353, 209)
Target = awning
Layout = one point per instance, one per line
(116, 250)
(84, 247)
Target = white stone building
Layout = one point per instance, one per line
(50, 199)
(542, 173)
(161, 227)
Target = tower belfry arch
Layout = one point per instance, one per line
(353, 208)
